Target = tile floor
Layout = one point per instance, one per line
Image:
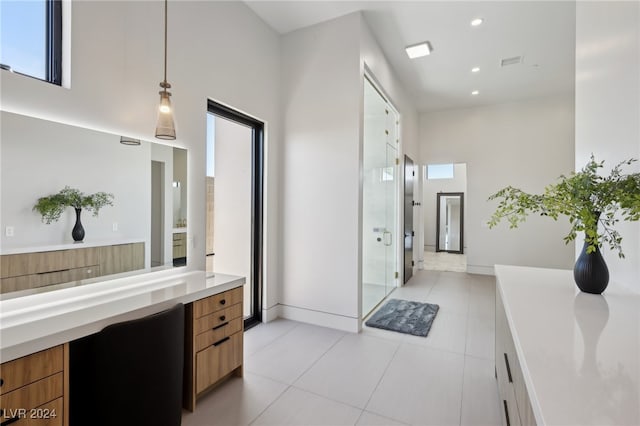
(299, 374)
(443, 261)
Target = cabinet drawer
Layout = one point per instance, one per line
(49, 414)
(33, 263)
(214, 334)
(218, 360)
(216, 302)
(510, 413)
(42, 279)
(34, 394)
(28, 369)
(210, 321)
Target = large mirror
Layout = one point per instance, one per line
(145, 228)
(450, 222)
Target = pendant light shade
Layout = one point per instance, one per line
(165, 129)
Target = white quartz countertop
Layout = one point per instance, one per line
(69, 245)
(579, 352)
(32, 323)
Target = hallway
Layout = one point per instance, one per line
(299, 374)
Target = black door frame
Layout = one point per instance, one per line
(407, 222)
(257, 202)
(450, 194)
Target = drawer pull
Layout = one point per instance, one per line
(222, 318)
(53, 272)
(221, 341)
(220, 326)
(506, 412)
(223, 302)
(1, 382)
(506, 361)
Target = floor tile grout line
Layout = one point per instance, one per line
(269, 405)
(382, 375)
(274, 340)
(328, 398)
(318, 359)
(464, 370)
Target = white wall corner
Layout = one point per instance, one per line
(481, 270)
(322, 319)
(270, 314)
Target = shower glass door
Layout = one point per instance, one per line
(379, 216)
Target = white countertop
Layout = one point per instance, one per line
(69, 245)
(32, 323)
(579, 353)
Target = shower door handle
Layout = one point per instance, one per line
(388, 234)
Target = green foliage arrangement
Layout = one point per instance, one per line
(52, 206)
(586, 198)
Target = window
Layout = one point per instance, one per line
(31, 38)
(439, 171)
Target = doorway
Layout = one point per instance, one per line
(234, 204)
(157, 213)
(444, 231)
(379, 198)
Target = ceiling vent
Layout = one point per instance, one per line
(511, 61)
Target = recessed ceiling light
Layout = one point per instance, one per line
(475, 92)
(419, 50)
(475, 69)
(477, 22)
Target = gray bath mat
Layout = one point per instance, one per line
(404, 316)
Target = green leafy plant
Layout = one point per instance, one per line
(585, 197)
(52, 206)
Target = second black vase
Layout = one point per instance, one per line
(590, 271)
(78, 231)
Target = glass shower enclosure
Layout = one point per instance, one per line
(379, 199)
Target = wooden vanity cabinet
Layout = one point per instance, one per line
(38, 269)
(213, 343)
(180, 245)
(34, 389)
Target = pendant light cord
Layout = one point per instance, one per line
(165, 41)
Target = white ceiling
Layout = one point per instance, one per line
(543, 32)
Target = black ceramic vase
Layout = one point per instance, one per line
(590, 271)
(78, 230)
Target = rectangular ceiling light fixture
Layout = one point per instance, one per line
(419, 50)
(510, 61)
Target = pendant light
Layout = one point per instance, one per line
(165, 129)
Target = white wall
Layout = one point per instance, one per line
(431, 188)
(321, 85)
(524, 144)
(117, 65)
(232, 201)
(180, 194)
(608, 106)
(40, 158)
(165, 154)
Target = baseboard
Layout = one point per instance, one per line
(322, 319)
(271, 313)
(481, 270)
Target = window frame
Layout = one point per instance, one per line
(54, 41)
(53, 45)
(429, 176)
